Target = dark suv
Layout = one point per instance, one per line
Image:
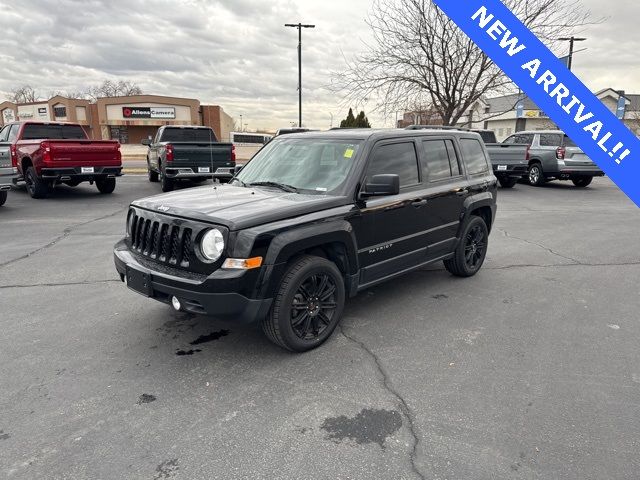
(310, 221)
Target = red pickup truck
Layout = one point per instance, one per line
(49, 154)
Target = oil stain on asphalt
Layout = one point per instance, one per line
(166, 469)
(210, 338)
(369, 426)
(4, 436)
(182, 353)
(146, 398)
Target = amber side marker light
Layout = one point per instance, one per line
(242, 263)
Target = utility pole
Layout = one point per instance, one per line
(240, 123)
(572, 41)
(299, 26)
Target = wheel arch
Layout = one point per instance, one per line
(483, 206)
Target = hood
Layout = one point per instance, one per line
(237, 207)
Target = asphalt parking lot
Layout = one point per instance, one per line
(529, 370)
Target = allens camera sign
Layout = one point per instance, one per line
(149, 112)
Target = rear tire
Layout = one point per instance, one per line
(3, 197)
(536, 175)
(106, 185)
(308, 305)
(36, 187)
(471, 251)
(582, 182)
(508, 182)
(166, 184)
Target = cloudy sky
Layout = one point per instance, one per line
(237, 53)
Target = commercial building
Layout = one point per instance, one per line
(126, 119)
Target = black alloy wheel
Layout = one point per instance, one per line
(475, 247)
(313, 306)
(307, 306)
(470, 253)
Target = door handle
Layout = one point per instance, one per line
(462, 192)
(419, 203)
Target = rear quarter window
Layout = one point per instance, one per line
(550, 140)
(473, 156)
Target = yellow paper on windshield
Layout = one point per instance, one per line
(348, 153)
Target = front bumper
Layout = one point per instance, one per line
(77, 173)
(177, 173)
(200, 294)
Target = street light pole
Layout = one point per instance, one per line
(240, 123)
(571, 41)
(299, 26)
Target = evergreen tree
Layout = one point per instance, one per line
(350, 121)
(361, 121)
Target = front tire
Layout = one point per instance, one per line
(106, 185)
(582, 182)
(153, 176)
(3, 197)
(308, 305)
(536, 175)
(471, 251)
(507, 182)
(36, 187)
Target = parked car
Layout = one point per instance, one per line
(509, 162)
(8, 173)
(178, 153)
(310, 221)
(554, 156)
(50, 154)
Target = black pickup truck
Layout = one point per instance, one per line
(310, 221)
(188, 153)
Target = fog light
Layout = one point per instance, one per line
(176, 303)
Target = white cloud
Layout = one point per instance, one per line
(237, 53)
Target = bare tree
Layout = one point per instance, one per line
(109, 88)
(24, 94)
(419, 57)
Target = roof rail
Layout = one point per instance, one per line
(436, 127)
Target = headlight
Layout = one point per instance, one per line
(212, 244)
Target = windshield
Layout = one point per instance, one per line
(307, 165)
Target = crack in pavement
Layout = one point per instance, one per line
(565, 265)
(553, 252)
(61, 284)
(65, 233)
(387, 384)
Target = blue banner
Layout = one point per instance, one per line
(556, 91)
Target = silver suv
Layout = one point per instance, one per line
(552, 155)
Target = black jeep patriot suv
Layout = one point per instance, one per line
(311, 220)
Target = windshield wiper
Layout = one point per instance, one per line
(281, 186)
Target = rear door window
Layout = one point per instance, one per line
(473, 156)
(397, 158)
(439, 163)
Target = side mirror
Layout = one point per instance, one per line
(146, 141)
(237, 169)
(382, 185)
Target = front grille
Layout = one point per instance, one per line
(163, 242)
